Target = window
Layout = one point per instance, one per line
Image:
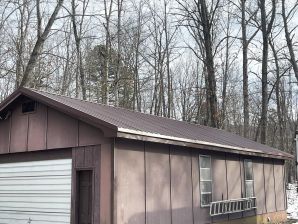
(28, 107)
(205, 180)
(248, 178)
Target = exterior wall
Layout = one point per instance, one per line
(49, 134)
(158, 191)
(275, 217)
(181, 186)
(157, 183)
(98, 159)
(269, 186)
(234, 177)
(45, 129)
(259, 186)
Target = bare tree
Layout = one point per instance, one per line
(245, 44)
(77, 28)
(288, 34)
(266, 27)
(201, 23)
(39, 44)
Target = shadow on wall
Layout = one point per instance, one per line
(182, 217)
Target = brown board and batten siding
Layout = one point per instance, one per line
(181, 185)
(45, 129)
(47, 132)
(269, 185)
(158, 191)
(159, 183)
(155, 161)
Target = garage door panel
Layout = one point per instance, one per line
(50, 188)
(35, 168)
(43, 198)
(64, 180)
(39, 192)
(36, 174)
(20, 217)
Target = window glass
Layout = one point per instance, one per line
(248, 169)
(206, 186)
(206, 199)
(205, 174)
(205, 162)
(205, 180)
(249, 181)
(249, 189)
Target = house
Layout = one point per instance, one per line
(64, 160)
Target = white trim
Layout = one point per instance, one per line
(155, 135)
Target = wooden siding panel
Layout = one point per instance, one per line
(201, 215)
(279, 185)
(89, 156)
(4, 135)
(219, 183)
(259, 185)
(37, 129)
(89, 135)
(130, 182)
(79, 157)
(219, 176)
(62, 130)
(19, 131)
(158, 207)
(181, 186)
(105, 181)
(269, 186)
(80, 162)
(234, 181)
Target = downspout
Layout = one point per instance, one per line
(296, 162)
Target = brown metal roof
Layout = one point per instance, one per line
(126, 122)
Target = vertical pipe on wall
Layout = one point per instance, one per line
(171, 207)
(192, 197)
(145, 182)
(9, 140)
(114, 184)
(273, 166)
(296, 155)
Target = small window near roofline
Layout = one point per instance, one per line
(248, 178)
(29, 107)
(205, 180)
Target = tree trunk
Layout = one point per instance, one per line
(39, 44)
(245, 71)
(77, 37)
(289, 41)
(266, 30)
(277, 95)
(211, 88)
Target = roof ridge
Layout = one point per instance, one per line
(147, 114)
(122, 108)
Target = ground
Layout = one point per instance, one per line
(292, 197)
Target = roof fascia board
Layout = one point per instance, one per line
(152, 137)
(109, 129)
(9, 100)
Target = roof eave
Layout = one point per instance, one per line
(10, 99)
(109, 129)
(158, 138)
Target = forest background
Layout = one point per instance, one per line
(228, 64)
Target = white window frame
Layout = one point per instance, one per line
(211, 180)
(251, 181)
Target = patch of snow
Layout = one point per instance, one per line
(292, 197)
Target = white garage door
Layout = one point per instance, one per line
(36, 192)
